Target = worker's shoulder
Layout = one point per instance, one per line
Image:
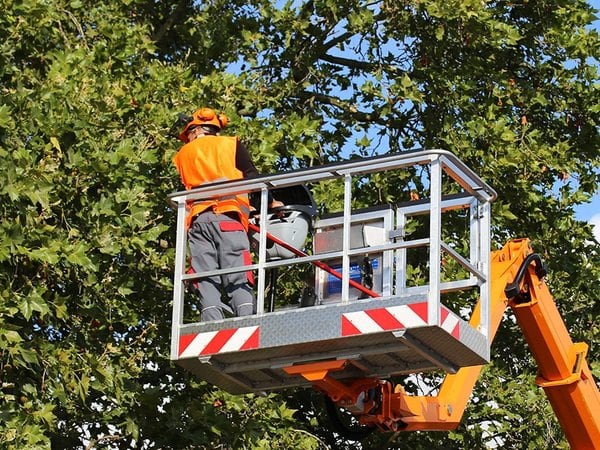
(208, 141)
(220, 137)
(217, 141)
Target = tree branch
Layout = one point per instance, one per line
(174, 17)
(347, 62)
(335, 41)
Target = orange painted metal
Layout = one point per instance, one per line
(563, 371)
(351, 395)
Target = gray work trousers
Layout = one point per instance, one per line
(218, 241)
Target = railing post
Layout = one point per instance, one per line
(485, 261)
(262, 251)
(474, 235)
(435, 235)
(400, 264)
(346, 238)
(178, 287)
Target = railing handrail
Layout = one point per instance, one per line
(475, 185)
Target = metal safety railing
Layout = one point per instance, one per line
(452, 186)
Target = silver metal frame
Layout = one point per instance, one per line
(476, 197)
(383, 216)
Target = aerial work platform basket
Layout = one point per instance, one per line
(383, 275)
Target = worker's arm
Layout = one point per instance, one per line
(243, 162)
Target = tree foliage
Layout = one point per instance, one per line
(88, 93)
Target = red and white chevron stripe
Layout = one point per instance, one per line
(396, 318)
(213, 342)
(450, 322)
(383, 319)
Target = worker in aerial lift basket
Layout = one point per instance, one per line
(217, 229)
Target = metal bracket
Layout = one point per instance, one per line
(397, 233)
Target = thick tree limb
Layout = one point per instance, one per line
(351, 110)
(175, 16)
(347, 62)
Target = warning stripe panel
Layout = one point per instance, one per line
(450, 322)
(384, 319)
(213, 342)
(396, 318)
(348, 328)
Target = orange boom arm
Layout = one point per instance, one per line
(516, 281)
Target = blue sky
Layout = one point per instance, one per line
(591, 211)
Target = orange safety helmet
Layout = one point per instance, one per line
(204, 116)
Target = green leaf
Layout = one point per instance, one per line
(26, 358)
(55, 143)
(9, 337)
(5, 117)
(33, 303)
(77, 254)
(45, 414)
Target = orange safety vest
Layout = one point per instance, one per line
(209, 159)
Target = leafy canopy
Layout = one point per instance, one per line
(88, 93)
